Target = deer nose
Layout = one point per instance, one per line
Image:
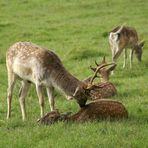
(82, 102)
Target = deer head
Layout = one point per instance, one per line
(81, 94)
(138, 50)
(103, 70)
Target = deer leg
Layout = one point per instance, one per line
(11, 82)
(125, 58)
(113, 54)
(23, 93)
(39, 90)
(131, 57)
(117, 54)
(50, 93)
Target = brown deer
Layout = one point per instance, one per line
(104, 88)
(98, 110)
(34, 64)
(123, 37)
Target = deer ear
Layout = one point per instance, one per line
(141, 44)
(79, 89)
(76, 90)
(103, 60)
(112, 67)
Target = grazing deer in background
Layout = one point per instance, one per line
(123, 37)
(34, 64)
(104, 88)
(99, 110)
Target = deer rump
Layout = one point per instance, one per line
(99, 110)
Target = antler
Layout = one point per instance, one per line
(93, 69)
(96, 63)
(97, 69)
(103, 60)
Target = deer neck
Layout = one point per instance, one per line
(65, 81)
(104, 77)
(104, 80)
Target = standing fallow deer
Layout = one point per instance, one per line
(98, 110)
(104, 88)
(123, 37)
(34, 64)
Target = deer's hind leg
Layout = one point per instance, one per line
(131, 57)
(11, 82)
(22, 95)
(125, 58)
(116, 54)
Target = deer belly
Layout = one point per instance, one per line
(31, 70)
(24, 72)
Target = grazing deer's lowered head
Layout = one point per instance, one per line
(34, 64)
(123, 37)
(98, 110)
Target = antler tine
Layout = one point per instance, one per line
(92, 79)
(96, 63)
(103, 61)
(97, 69)
(93, 69)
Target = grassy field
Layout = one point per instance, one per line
(78, 32)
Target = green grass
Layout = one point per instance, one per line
(77, 31)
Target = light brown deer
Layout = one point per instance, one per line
(98, 110)
(123, 37)
(34, 64)
(104, 88)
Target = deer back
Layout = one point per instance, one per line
(127, 37)
(101, 109)
(102, 90)
(43, 67)
(98, 110)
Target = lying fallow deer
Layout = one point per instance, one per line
(104, 88)
(98, 110)
(34, 64)
(123, 37)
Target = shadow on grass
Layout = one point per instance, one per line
(137, 119)
(84, 54)
(138, 70)
(105, 34)
(5, 24)
(130, 93)
(2, 58)
(26, 35)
